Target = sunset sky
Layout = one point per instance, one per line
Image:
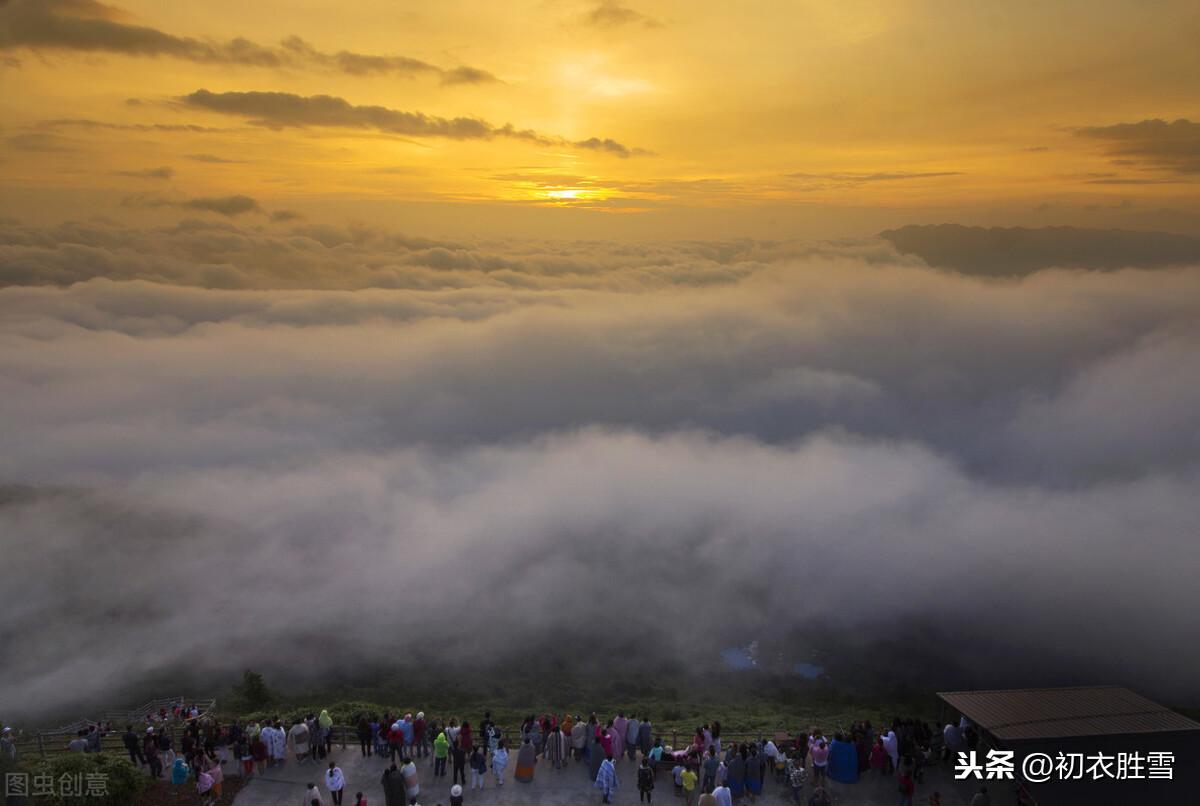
(644, 118)
(767, 311)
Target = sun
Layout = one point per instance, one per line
(566, 194)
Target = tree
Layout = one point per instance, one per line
(253, 691)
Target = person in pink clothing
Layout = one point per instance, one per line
(606, 739)
(820, 761)
(620, 726)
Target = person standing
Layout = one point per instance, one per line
(335, 782)
(688, 779)
(363, 732)
(150, 750)
(325, 725)
(645, 782)
(579, 739)
(632, 729)
(710, 765)
(645, 735)
(130, 739)
(754, 774)
(80, 744)
(606, 778)
(420, 741)
(241, 752)
(412, 784)
(393, 787)
(620, 728)
(499, 762)
(907, 788)
(395, 741)
(556, 747)
(210, 765)
(596, 759)
(298, 738)
(736, 772)
(258, 751)
(465, 740)
(478, 767)
(458, 758)
(820, 763)
(526, 760)
(93, 739)
(441, 749)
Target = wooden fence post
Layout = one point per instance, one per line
(41, 746)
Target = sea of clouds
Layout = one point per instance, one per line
(222, 445)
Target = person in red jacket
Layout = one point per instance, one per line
(395, 741)
(907, 788)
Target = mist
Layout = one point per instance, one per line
(223, 445)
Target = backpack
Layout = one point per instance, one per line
(645, 778)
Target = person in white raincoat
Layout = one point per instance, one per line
(335, 782)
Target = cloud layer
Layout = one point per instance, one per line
(89, 26)
(286, 109)
(1017, 251)
(818, 436)
(1173, 146)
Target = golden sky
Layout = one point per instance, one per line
(646, 117)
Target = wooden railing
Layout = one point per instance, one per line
(55, 740)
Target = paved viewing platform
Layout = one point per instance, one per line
(285, 786)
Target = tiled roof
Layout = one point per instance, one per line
(1046, 713)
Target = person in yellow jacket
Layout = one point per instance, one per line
(689, 779)
(441, 749)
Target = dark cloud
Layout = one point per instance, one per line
(839, 180)
(282, 109)
(613, 14)
(794, 420)
(212, 158)
(285, 109)
(1172, 146)
(285, 215)
(86, 123)
(224, 205)
(90, 26)
(610, 146)
(40, 141)
(1016, 251)
(165, 172)
(356, 63)
(468, 75)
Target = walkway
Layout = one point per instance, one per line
(285, 786)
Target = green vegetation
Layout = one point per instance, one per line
(116, 782)
(252, 694)
(740, 701)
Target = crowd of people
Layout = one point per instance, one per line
(705, 772)
(708, 770)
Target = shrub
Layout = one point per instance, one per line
(74, 775)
